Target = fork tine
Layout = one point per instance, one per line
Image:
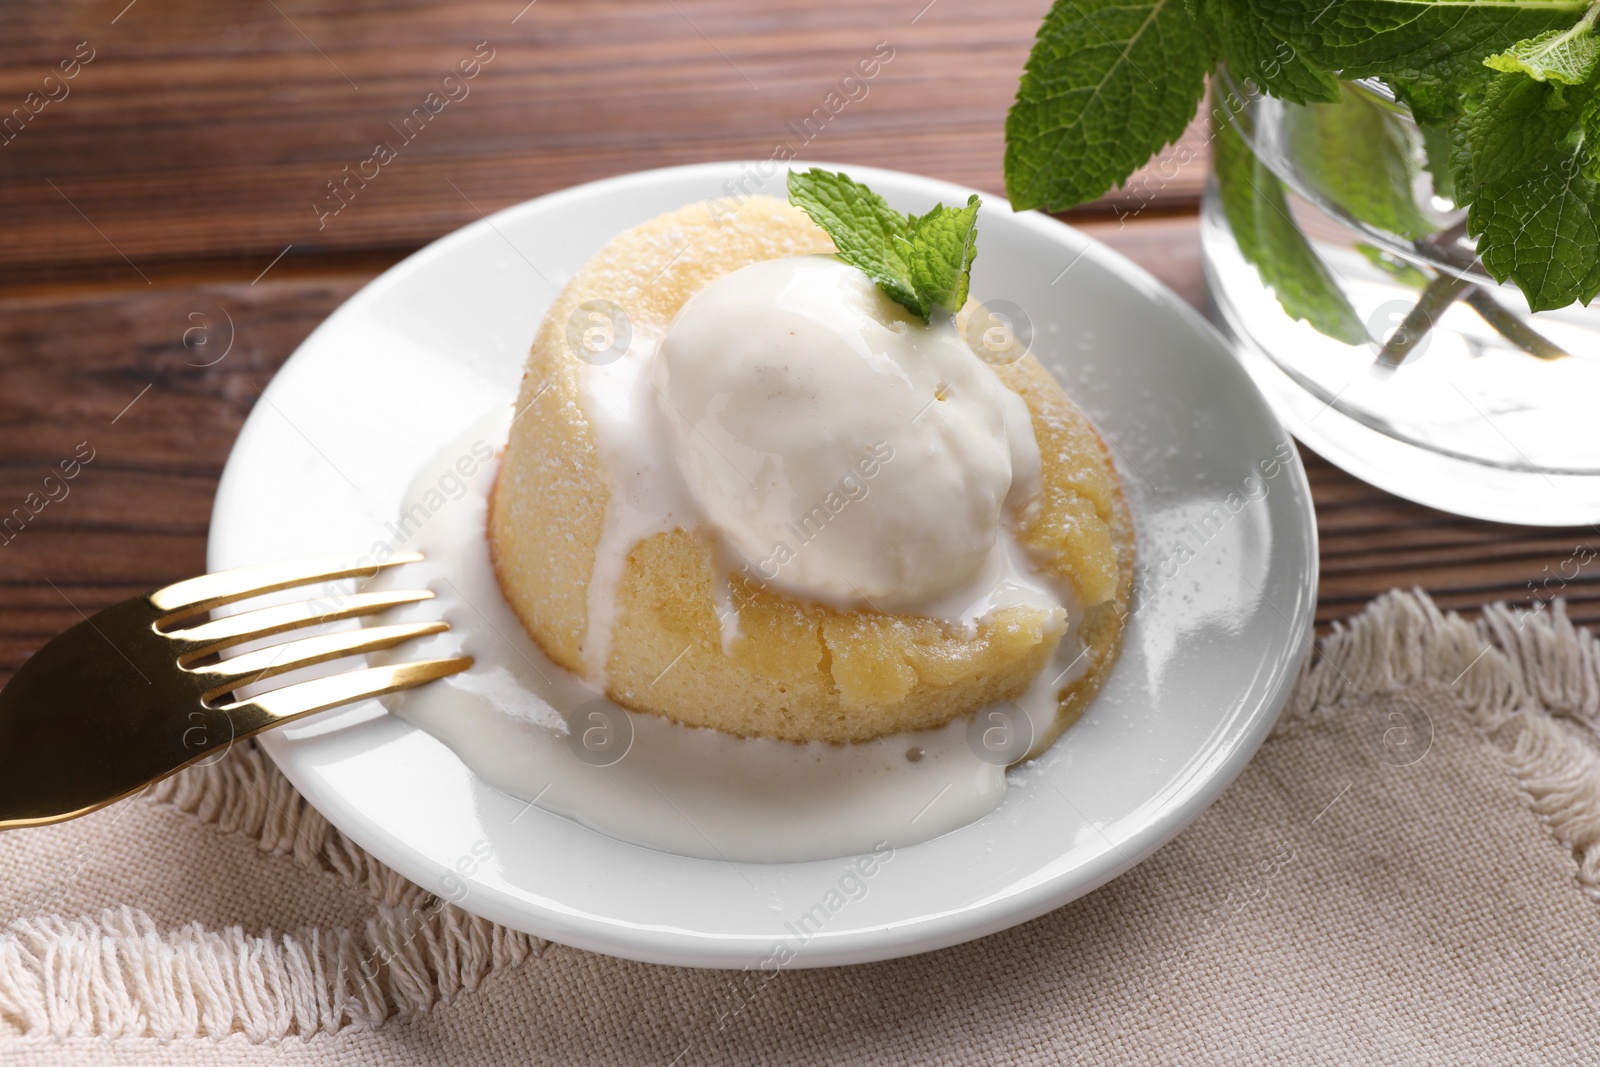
(280, 659)
(224, 587)
(264, 622)
(320, 694)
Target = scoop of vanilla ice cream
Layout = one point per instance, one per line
(846, 451)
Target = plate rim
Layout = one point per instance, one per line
(922, 932)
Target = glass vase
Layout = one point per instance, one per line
(1379, 338)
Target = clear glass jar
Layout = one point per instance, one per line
(1479, 406)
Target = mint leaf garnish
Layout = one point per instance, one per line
(1108, 83)
(944, 243)
(867, 231)
(1258, 214)
(922, 262)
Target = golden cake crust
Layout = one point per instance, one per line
(796, 671)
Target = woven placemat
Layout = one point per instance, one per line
(1406, 873)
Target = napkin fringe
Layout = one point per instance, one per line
(1527, 678)
(118, 975)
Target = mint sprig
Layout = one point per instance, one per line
(923, 262)
(1507, 93)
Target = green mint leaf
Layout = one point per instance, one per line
(1360, 156)
(1242, 41)
(1565, 56)
(922, 262)
(1461, 182)
(1434, 101)
(1589, 151)
(1410, 41)
(1536, 209)
(944, 242)
(1517, 124)
(869, 234)
(1258, 214)
(1207, 25)
(1540, 228)
(1109, 82)
(1436, 147)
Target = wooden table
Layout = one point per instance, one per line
(186, 166)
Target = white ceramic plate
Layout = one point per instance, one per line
(1220, 626)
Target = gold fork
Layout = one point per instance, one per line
(129, 696)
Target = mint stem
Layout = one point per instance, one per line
(1438, 296)
(1445, 289)
(1513, 329)
(1435, 299)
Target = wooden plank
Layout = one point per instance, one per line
(100, 373)
(210, 134)
(197, 132)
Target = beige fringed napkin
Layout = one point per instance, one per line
(1406, 873)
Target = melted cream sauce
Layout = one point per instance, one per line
(521, 722)
(647, 495)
